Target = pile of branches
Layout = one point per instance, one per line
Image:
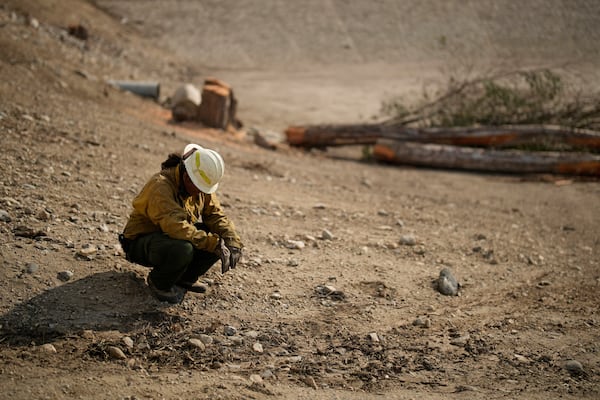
(535, 97)
(520, 122)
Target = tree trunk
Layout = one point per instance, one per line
(544, 137)
(219, 106)
(512, 161)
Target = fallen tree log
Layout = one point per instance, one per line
(477, 159)
(538, 136)
(333, 135)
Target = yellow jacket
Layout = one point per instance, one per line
(161, 207)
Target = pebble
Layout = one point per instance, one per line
(408, 240)
(197, 343)
(295, 244)
(34, 23)
(31, 268)
(257, 347)
(522, 359)
(252, 334)
(446, 283)
(4, 217)
(374, 337)
(574, 367)
(128, 342)
(237, 340)
(88, 249)
(116, 353)
(43, 215)
(64, 275)
(206, 339)
(229, 330)
(460, 341)
(326, 235)
(256, 379)
(422, 322)
(48, 348)
(267, 374)
(276, 296)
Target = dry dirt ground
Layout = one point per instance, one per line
(333, 300)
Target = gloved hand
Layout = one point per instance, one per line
(236, 254)
(225, 256)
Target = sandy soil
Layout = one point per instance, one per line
(352, 313)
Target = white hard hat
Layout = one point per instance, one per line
(205, 167)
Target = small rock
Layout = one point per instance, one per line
(4, 217)
(88, 250)
(128, 342)
(408, 240)
(295, 244)
(326, 235)
(256, 379)
(87, 334)
(229, 330)
(446, 283)
(252, 334)
(206, 339)
(574, 367)
(422, 322)
(383, 213)
(34, 23)
(48, 348)
(522, 359)
(460, 341)
(237, 340)
(310, 381)
(267, 374)
(197, 343)
(330, 292)
(400, 223)
(31, 268)
(374, 337)
(116, 353)
(276, 296)
(325, 290)
(257, 347)
(65, 275)
(43, 215)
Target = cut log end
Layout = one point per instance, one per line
(295, 135)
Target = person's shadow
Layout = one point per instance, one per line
(109, 300)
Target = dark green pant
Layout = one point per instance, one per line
(171, 260)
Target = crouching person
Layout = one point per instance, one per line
(177, 226)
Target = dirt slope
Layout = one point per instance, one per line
(75, 151)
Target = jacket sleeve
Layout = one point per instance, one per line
(215, 219)
(161, 206)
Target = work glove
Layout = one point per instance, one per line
(225, 256)
(236, 254)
